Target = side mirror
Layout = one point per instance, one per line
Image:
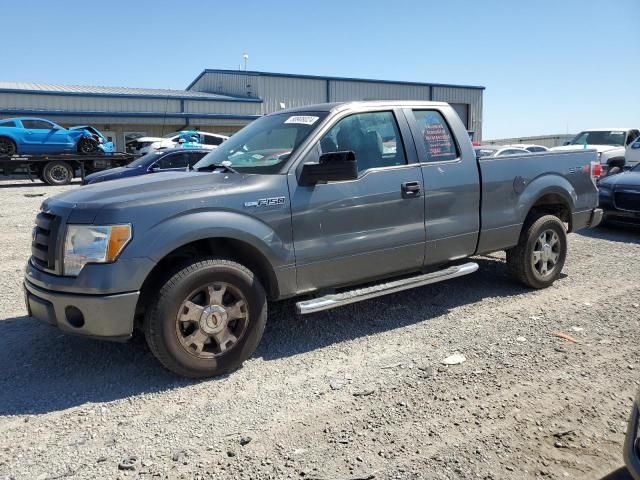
(567, 143)
(182, 140)
(635, 146)
(333, 166)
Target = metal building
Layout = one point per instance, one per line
(219, 101)
(544, 140)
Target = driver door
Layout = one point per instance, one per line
(352, 231)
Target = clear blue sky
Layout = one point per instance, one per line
(548, 66)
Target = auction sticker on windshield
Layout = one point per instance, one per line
(302, 119)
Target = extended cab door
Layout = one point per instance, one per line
(451, 184)
(352, 231)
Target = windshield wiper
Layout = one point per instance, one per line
(212, 166)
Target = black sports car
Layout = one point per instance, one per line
(620, 197)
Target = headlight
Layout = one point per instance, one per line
(93, 244)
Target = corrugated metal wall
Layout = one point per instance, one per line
(86, 103)
(80, 103)
(343, 91)
(299, 91)
(544, 140)
(470, 96)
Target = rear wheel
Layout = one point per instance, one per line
(57, 173)
(538, 258)
(7, 147)
(207, 319)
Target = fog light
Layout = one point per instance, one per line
(74, 316)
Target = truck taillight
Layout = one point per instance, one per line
(594, 169)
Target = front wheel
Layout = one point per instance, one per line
(207, 319)
(538, 258)
(87, 145)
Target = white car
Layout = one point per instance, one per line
(632, 154)
(529, 147)
(194, 139)
(498, 151)
(610, 143)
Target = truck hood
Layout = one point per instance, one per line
(87, 201)
(599, 148)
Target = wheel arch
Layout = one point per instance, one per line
(237, 237)
(551, 194)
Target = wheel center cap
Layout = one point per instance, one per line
(213, 319)
(546, 252)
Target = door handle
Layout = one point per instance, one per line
(411, 189)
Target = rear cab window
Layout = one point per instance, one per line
(436, 138)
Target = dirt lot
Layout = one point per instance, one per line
(356, 393)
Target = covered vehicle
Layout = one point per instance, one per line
(104, 144)
(36, 135)
(620, 197)
(609, 142)
(170, 160)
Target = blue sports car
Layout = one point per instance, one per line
(37, 135)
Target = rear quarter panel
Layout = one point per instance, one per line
(511, 185)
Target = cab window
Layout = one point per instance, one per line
(37, 124)
(174, 160)
(8, 123)
(439, 144)
(373, 137)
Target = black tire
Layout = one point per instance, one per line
(57, 173)
(7, 147)
(521, 258)
(87, 146)
(166, 332)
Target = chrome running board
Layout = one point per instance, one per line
(352, 296)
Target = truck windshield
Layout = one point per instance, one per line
(600, 137)
(265, 144)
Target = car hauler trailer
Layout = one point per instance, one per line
(60, 169)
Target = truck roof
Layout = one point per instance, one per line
(334, 106)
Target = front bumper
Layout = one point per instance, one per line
(109, 317)
(632, 443)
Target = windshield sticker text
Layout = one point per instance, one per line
(302, 119)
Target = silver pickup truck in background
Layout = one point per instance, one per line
(331, 203)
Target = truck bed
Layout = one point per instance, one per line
(510, 185)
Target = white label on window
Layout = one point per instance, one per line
(303, 119)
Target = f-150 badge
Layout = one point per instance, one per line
(266, 202)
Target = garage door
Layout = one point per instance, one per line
(462, 109)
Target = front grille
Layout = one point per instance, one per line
(43, 244)
(627, 200)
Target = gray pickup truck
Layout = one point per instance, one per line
(332, 204)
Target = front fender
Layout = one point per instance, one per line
(175, 232)
(551, 183)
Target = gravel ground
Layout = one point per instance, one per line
(355, 393)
